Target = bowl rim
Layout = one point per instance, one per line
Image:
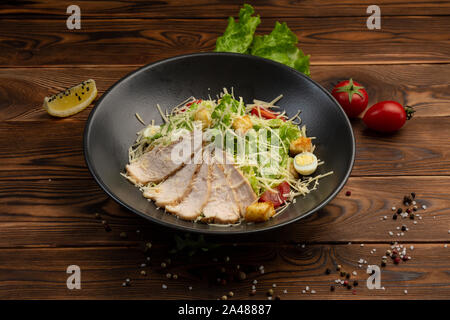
(226, 231)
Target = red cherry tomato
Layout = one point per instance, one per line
(351, 96)
(266, 114)
(277, 198)
(387, 116)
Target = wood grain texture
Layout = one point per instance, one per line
(421, 148)
(219, 9)
(48, 198)
(31, 273)
(60, 213)
(340, 40)
(424, 87)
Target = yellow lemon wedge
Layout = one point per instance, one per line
(72, 100)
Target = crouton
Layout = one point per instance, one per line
(259, 212)
(292, 172)
(300, 145)
(242, 124)
(203, 115)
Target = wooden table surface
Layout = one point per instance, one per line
(48, 198)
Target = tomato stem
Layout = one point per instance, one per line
(409, 112)
(351, 89)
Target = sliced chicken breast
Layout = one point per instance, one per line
(241, 187)
(174, 188)
(192, 205)
(160, 162)
(222, 206)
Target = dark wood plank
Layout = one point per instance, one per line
(207, 9)
(53, 149)
(37, 212)
(424, 87)
(336, 40)
(41, 273)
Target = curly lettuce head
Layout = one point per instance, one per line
(239, 35)
(281, 46)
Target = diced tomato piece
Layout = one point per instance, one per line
(266, 114)
(270, 196)
(284, 189)
(196, 101)
(277, 198)
(189, 104)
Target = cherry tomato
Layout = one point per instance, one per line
(387, 116)
(277, 198)
(351, 96)
(266, 114)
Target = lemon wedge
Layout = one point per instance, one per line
(72, 100)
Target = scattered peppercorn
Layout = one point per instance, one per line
(343, 274)
(327, 271)
(394, 217)
(408, 211)
(413, 195)
(403, 228)
(349, 287)
(411, 216)
(383, 263)
(347, 275)
(355, 283)
(399, 210)
(332, 288)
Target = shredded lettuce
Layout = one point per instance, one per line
(225, 110)
(280, 45)
(239, 35)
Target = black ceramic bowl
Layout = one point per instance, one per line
(112, 125)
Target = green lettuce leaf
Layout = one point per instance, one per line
(288, 132)
(239, 35)
(280, 46)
